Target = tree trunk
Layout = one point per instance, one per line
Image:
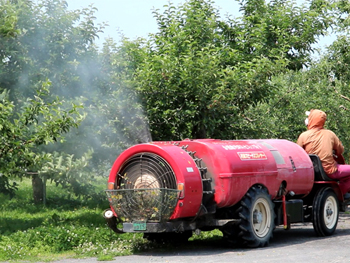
(38, 190)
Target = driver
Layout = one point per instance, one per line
(324, 143)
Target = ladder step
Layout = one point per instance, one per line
(207, 179)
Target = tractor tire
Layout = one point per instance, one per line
(231, 234)
(257, 218)
(325, 212)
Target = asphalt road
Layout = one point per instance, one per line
(299, 244)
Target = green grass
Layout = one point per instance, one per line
(66, 228)
(62, 228)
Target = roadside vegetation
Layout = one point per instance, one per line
(67, 228)
(64, 227)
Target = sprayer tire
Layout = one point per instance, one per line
(256, 218)
(325, 212)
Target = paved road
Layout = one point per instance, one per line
(298, 244)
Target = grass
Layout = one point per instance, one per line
(66, 228)
(63, 228)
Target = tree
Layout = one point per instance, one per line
(122, 104)
(56, 44)
(200, 74)
(339, 58)
(45, 52)
(115, 118)
(36, 123)
(182, 80)
(280, 29)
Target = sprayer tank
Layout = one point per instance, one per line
(229, 167)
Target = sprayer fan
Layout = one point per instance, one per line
(146, 170)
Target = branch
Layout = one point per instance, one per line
(248, 119)
(342, 96)
(346, 98)
(31, 173)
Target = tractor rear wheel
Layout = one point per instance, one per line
(325, 212)
(257, 218)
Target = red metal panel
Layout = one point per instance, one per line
(237, 165)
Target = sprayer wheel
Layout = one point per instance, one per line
(257, 218)
(325, 212)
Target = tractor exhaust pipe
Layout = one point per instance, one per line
(112, 221)
(108, 214)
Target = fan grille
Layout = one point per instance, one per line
(147, 205)
(146, 189)
(146, 170)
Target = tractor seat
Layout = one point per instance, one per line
(320, 174)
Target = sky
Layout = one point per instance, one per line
(134, 18)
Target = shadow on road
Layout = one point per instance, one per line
(299, 234)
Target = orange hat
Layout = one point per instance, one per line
(317, 119)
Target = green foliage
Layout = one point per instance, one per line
(49, 49)
(58, 44)
(283, 114)
(28, 231)
(34, 123)
(126, 123)
(182, 74)
(81, 241)
(280, 28)
(200, 74)
(54, 238)
(339, 58)
(73, 174)
(54, 44)
(8, 21)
